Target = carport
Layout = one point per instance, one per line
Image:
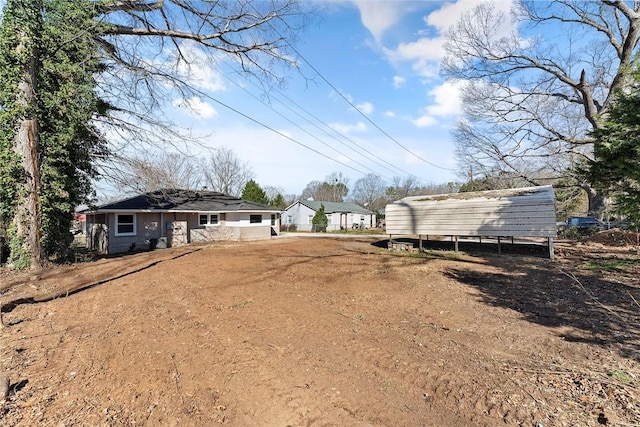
(510, 213)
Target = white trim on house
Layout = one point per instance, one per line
(211, 220)
(118, 224)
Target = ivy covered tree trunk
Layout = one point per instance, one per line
(21, 32)
(28, 215)
(48, 138)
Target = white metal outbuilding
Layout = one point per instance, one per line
(516, 212)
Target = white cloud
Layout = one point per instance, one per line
(389, 113)
(348, 128)
(379, 16)
(445, 17)
(196, 107)
(199, 68)
(425, 53)
(365, 107)
(447, 100)
(398, 81)
(446, 103)
(424, 121)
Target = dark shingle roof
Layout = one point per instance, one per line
(184, 200)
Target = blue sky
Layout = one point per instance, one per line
(382, 56)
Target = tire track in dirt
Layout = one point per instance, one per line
(426, 376)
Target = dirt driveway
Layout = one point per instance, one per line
(309, 331)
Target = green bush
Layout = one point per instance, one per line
(320, 220)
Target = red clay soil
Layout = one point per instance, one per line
(323, 331)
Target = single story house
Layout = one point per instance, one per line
(172, 217)
(515, 212)
(340, 215)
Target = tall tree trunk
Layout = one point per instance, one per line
(596, 200)
(28, 213)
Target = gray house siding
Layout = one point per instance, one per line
(170, 218)
(338, 215)
(147, 226)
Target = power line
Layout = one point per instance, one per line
(324, 131)
(348, 101)
(278, 132)
(361, 113)
(367, 118)
(345, 137)
(304, 130)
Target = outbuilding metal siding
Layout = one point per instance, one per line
(518, 212)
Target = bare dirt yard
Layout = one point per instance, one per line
(326, 331)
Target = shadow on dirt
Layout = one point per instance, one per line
(11, 305)
(600, 312)
(487, 247)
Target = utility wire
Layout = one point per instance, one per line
(365, 116)
(323, 130)
(278, 132)
(345, 137)
(304, 130)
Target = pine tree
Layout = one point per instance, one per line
(616, 165)
(278, 201)
(254, 193)
(320, 220)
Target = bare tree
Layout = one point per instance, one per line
(370, 191)
(157, 50)
(403, 187)
(312, 191)
(530, 101)
(225, 172)
(272, 191)
(151, 171)
(334, 188)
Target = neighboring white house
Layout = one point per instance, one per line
(516, 212)
(340, 215)
(170, 217)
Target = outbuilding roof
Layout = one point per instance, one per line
(183, 200)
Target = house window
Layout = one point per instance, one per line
(310, 219)
(273, 219)
(125, 224)
(206, 219)
(329, 219)
(289, 219)
(255, 219)
(361, 217)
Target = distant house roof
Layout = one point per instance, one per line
(330, 207)
(183, 200)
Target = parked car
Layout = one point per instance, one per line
(581, 225)
(586, 222)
